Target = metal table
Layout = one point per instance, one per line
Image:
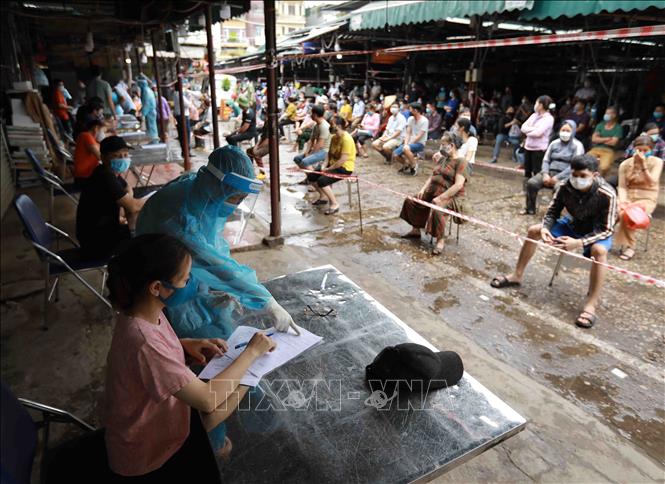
(314, 420)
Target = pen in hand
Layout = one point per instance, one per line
(241, 345)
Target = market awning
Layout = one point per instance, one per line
(543, 9)
(377, 15)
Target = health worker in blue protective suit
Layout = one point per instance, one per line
(149, 110)
(194, 208)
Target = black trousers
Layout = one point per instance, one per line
(235, 138)
(282, 123)
(195, 457)
(533, 162)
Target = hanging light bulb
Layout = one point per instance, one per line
(339, 56)
(89, 42)
(128, 60)
(337, 46)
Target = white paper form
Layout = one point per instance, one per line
(289, 345)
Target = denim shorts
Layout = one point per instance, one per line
(562, 228)
(414, 147)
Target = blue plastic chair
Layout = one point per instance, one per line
(52, 183)
(41, 235)
(82, 459)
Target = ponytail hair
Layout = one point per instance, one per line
(143, 260)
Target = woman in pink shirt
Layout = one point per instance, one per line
(537, 130)
(369, 127)
(153, 428)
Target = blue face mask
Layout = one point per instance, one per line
(607, 118)
(648, 154)
(181, 295)
(654, 137)
(657, 115)
(120, 165)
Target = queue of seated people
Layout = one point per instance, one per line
(586, 212)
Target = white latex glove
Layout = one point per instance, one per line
(280, 319)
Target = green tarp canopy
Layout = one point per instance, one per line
(543, 9)
(377, 14)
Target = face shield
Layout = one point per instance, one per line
(241, 193)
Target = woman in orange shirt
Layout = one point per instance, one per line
(86, 153)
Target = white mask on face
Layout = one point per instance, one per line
(394, 109)
(580, 183)
(565, 135)
(100, 136)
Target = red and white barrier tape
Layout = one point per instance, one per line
(521, 239)
(623, 33)
(499, 167)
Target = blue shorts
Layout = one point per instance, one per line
(562, 228)
(414, 147)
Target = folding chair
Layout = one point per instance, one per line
(246, 213)
(64, 156)
(350, 181)
(52, 183)
(41, 234)
(646, 243)
(82, 459)
(450, 228)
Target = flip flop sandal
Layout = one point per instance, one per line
(502, 281)
(625, 256)
(320, 202)
(586, 320)
(331, 211)
(527, 212)
(436, 251)
(410, 236)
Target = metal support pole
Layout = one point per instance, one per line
(273, 145)
(211, 77)
(139, 70)
(155, 68)
(181, 119)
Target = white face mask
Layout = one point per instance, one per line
(565, 135)
(100, 136)
(394, 110)
(580, 183)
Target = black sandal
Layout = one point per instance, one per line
(320, 202)
(410, 235)
(502, 281)
(586, 320)
(331, 211)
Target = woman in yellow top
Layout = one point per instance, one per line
(288, 117)
(341, 161)
(638, 184)
(346, 111)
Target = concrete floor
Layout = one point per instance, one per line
(588, 422)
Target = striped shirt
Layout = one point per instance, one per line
(594, 212)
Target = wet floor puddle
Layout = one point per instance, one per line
(595, 391)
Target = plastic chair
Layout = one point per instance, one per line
(82, 459)
(41, 235)
(52, 183)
